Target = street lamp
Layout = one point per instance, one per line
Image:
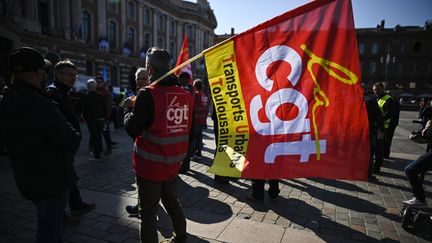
(388, 59)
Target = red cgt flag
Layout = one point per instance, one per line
(288, 97)
(184, 56)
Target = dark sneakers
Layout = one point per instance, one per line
(84, 208)
(69, 220)
(175, 239)
(132, 209)
(250, 197)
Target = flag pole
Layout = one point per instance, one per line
(191, 60)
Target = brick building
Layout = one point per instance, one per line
(110, 33)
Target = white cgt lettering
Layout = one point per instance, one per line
(276, 126)
(177, 114)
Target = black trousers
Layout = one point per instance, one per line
(258, 189)
(149, 194)
(95, 142)
(389, 132)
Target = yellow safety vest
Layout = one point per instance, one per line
(381, 103)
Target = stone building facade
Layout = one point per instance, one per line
(401, 57)
(95, 34)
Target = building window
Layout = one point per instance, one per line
(131, 38)
(43, 15)
(375, 48)
(362, 48)
(160, 22)
(412, 85)
(399, 69)
(189, 31)
(372, 68)
(90, 67)
(112, 33)
(86, 26)
(114, 76)
(172, 49)
(147, 41)
(414, 67)
(160, 42)
(191, 50)
(417, 46)
(112, 5)
(130, 10)
(147, 18)
(172, 27)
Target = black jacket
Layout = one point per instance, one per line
(93, 107)
(376, 120)
(38, 139)
(59, 94)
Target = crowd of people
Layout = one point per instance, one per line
(165, 118)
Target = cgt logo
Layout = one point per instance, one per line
(177, 111)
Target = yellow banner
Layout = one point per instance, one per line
(231, 111)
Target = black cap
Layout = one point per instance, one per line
(25, 59)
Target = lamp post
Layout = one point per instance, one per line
(387, 59)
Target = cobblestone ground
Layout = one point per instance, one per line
(332, 210)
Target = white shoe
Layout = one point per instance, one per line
(414, 202)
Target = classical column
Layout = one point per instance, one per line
(140, 26)
(167, 31)
(155, 27)
(65, 17)
(51, 15)
(198, 39)
(180, 35)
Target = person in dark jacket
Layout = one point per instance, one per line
(142, 80)
(58, 91)
(376, 134)
(390, 112)
(39, 140)
(101, 87)
(416, 170)
(159, 122)
(94, 112)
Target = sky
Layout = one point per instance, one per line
(245, 14)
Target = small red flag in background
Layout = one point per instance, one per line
(184, 56)
(289, 99)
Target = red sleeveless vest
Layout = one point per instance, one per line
(159, 151)
(201, 108)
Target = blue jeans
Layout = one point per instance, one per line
(50, 214)
(415, 172)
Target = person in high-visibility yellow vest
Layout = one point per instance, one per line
(390, 112)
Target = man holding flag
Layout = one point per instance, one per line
(159, 122)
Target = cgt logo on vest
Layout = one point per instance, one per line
(177, 113)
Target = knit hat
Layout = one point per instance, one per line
(25, 59)
(91, 84)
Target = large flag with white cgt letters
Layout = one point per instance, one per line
(289, 99)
